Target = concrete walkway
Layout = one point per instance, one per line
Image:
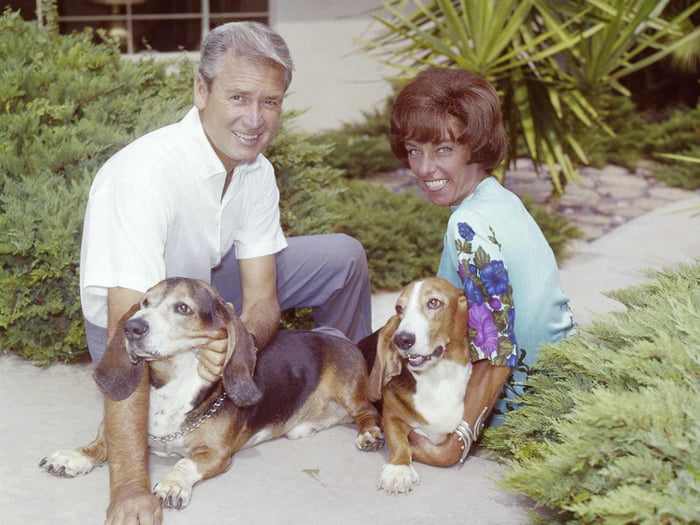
(321, 479)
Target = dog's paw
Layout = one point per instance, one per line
(67, 463)
(398, 479)
(175, 489)
(370, 440)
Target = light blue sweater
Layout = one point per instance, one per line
(495, 251)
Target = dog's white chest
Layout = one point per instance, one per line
(439, 398)
(170, 404)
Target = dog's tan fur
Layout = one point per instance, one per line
(430, 326)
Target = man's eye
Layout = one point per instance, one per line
(183, 309)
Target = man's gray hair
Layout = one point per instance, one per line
(246, 39)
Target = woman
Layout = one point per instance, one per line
(446, 126)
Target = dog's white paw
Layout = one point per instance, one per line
(67, 463)
(370, 440)
(398, 479)
(175, 489)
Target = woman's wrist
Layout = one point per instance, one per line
(467, 435)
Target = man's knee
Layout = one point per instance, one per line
(350, 251)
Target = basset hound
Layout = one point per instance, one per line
(301, 383)
(420, 373)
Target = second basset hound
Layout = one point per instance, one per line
(302, 382)
(420, 373)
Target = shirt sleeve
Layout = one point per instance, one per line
(125, 235)
(262, 233)
(476, 258)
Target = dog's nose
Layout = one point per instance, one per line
(404, 340)
(135, 329)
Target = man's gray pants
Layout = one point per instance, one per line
(327, 273)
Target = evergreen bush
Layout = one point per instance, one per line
(608, 431)
(402, 234)
(361, 148)
(649, 135)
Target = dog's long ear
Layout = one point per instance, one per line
(240, 362)
(116, 376)
(387, 363)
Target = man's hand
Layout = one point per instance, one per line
(212, 358)
(134, 506)
(445, 454)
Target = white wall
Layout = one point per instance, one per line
(333, 80)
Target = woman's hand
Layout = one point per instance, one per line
(445, 454)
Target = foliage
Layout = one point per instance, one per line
(666, 137)
(308, 185)
(361, 148)
(551, 61)
(609, 430)
(402, 234)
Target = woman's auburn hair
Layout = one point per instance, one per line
(440, 103)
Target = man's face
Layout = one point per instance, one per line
(241, 111)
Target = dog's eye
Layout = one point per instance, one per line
(399, 309)
(144, 303)
(434, 303)
(183, 309)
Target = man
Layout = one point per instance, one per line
(198, 199)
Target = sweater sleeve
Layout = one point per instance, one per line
(475, 253)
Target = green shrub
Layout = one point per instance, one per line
(361, 148)
(402, 234)
(609, 430)
(649, 135)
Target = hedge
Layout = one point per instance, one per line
(609, 430)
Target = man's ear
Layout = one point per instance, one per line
(116, 375)
(201, 91)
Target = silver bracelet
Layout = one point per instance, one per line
(467, 435)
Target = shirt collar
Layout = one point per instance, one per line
(211, 165)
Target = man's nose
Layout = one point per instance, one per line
(254, 116)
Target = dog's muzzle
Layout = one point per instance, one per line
(418, 360)
(135, 330)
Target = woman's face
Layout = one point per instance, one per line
(444, 170)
